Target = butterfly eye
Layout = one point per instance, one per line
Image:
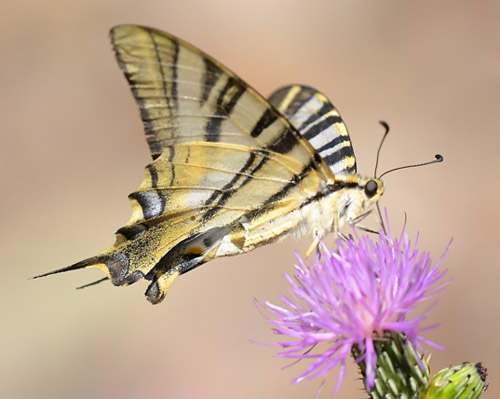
(371, 188)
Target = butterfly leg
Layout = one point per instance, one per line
(344, 237)
(355, 223)
(360, 218)
(335, 228)
(367, 229)
(313, 246)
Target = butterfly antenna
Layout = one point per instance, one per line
(386, 127)
(439, 158)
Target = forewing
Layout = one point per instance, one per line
(317, 120)
(185, 95)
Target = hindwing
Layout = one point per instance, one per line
(318, 121)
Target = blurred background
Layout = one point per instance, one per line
(72, 148)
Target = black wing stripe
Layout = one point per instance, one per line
(326, 108)
(276, 197)
(302, 96)
(284, 143)
(321, 126)
(332, 144)
(228, 189)
(154, 175)
(266, 120)
(168, 98)
(175, 96)
(151, 202)
(224, 108)
(211, 75)
(338, 155)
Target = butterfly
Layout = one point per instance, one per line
(231, 171)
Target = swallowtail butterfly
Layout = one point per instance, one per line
(231, 170)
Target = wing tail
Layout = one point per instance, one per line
(92, 283)
(114, 264)
(95, 261)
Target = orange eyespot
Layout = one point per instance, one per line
(193, 251)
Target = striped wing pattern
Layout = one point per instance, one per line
(317, 120)
(230, 170)
(184, 95)
(226, 164)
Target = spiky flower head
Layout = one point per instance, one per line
(349, 298)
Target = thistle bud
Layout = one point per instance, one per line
(466, 381)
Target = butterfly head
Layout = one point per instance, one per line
(367, 194)
(373, 189)
(354, 195)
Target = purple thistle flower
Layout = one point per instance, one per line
(350, 298)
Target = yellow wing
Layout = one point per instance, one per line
(184, 96)
(227, 167)
(202, 200)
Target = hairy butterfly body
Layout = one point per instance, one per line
(231, 170)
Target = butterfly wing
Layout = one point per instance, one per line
(227, 167)
(202, 200)
(185, 95)
(317, 120)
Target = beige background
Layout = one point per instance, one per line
(72, 148)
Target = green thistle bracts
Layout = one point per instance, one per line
(401, 372)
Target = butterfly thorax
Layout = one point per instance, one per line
(338, 203)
